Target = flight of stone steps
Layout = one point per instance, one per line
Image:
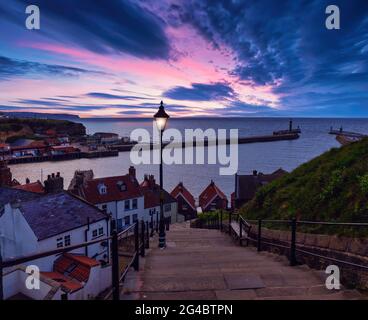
(202, 264)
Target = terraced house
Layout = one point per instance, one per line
(119, 196)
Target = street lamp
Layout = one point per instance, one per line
(161, 118)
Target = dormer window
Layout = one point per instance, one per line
(121, 186)
(102, 188)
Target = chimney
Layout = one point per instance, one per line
(255, 172)
(181, 186)
(151, 179)
(54, 184)
(132, 171)
(28, 181)
(5, 175)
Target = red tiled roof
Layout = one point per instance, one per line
(90, 191)
(75, 266)
(187, 196)
(210, 193)
(67, 283)
(151, 192)
(36, 187)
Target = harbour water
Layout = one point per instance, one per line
(265, 157)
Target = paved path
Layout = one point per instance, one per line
(202, 264)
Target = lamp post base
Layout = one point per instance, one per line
(162, 235)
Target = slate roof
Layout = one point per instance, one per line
(11, 195)
(53, 214)
(248, 184)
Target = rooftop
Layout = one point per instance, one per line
(91, 191)
(151, 192)
(35, 187)
(181, 190)
(210, 193)
(51, 214)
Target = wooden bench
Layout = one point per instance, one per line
(241, 230)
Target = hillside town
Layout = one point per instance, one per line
(42, 216)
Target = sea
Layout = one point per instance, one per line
(264, 157)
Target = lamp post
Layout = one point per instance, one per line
(161, 118)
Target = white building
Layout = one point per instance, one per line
(151, 192)
(32, 223)
(119, 196)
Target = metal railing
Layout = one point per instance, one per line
(129, 243)
(292, 246)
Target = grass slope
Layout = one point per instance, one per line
(331, 187)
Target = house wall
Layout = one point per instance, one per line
(77, 236)
(218, 204)
(173, 213)
(18, 239)
(16, 236)
(15, 282)
(118, 211)
(189, 212)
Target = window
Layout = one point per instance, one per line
(121, 186)
(167, 207)
(127, 204)
(59, 242)
(120, 224)
(127, 220)
(102, 188)
(135, 218)
(94, 233)
(135, 204)
(104, 207)
(67, 241)
(100, 231)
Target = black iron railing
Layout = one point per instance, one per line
(292, 246)
(129, 243)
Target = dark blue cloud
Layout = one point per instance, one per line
(286, 44)
(13, 67)
(113, 26)
(201, 92)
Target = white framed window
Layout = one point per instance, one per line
(100, 231)
(127, 205)
(67, 241)
(135, 204)
(59, 243)
(94, 233)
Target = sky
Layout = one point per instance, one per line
(233, 58)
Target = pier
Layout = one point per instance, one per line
(64, 157)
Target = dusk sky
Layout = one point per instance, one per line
(119, 58)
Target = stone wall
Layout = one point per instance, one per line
(353, 250)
